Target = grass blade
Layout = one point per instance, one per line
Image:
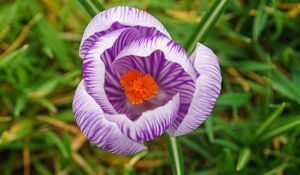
(282, 128)
(41, 168)
(277, 169)
(57, 141)
(285, 86)
(13, 57)
(17, 131)
(206, 24)
(209, 129)
(234, 99)
(243, 159)
(229, 162)
(268, 122)
(260, 20)
(195, 147)
(98, 5)
(88, 8)
(227, 144)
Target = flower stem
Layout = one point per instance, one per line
(175, 156)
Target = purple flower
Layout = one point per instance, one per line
(138, 83)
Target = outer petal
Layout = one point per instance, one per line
(105, 134)
(119, 17)
(151, 123)
(208, 87)
(94, 69)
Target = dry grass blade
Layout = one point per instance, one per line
(22, 35)
(233, 72)
(84, 165)
(26, 158)
(78, 141)
(60, 124)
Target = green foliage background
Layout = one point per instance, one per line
(255, 125)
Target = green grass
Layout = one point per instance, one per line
(255, 125)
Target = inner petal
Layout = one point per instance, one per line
(112, 87)
(169, 77)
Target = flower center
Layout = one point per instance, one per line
(138, 87)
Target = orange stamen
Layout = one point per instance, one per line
(137, 87)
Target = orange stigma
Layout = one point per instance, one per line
(138, 87)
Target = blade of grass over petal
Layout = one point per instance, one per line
(206, 24)
(88, 8)
(175, 156)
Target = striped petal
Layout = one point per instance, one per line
(112, 86)
(105, 134)
(167, 62)
(150, 124)
(120, 17)
(170, 77)
(172, 52)
(101, 81)
(208, 87)
(94, 70)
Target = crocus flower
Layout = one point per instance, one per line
(138, 83)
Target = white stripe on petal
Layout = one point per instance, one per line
(105, 134)
(208, 87)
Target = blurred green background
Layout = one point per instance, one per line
(254, 128)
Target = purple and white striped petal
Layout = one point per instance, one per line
(172, 51)
(170, 77)
(120, 17)
(150, 124)
(95, 73)
(105, 134)
(208, 87)
(176, 75)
